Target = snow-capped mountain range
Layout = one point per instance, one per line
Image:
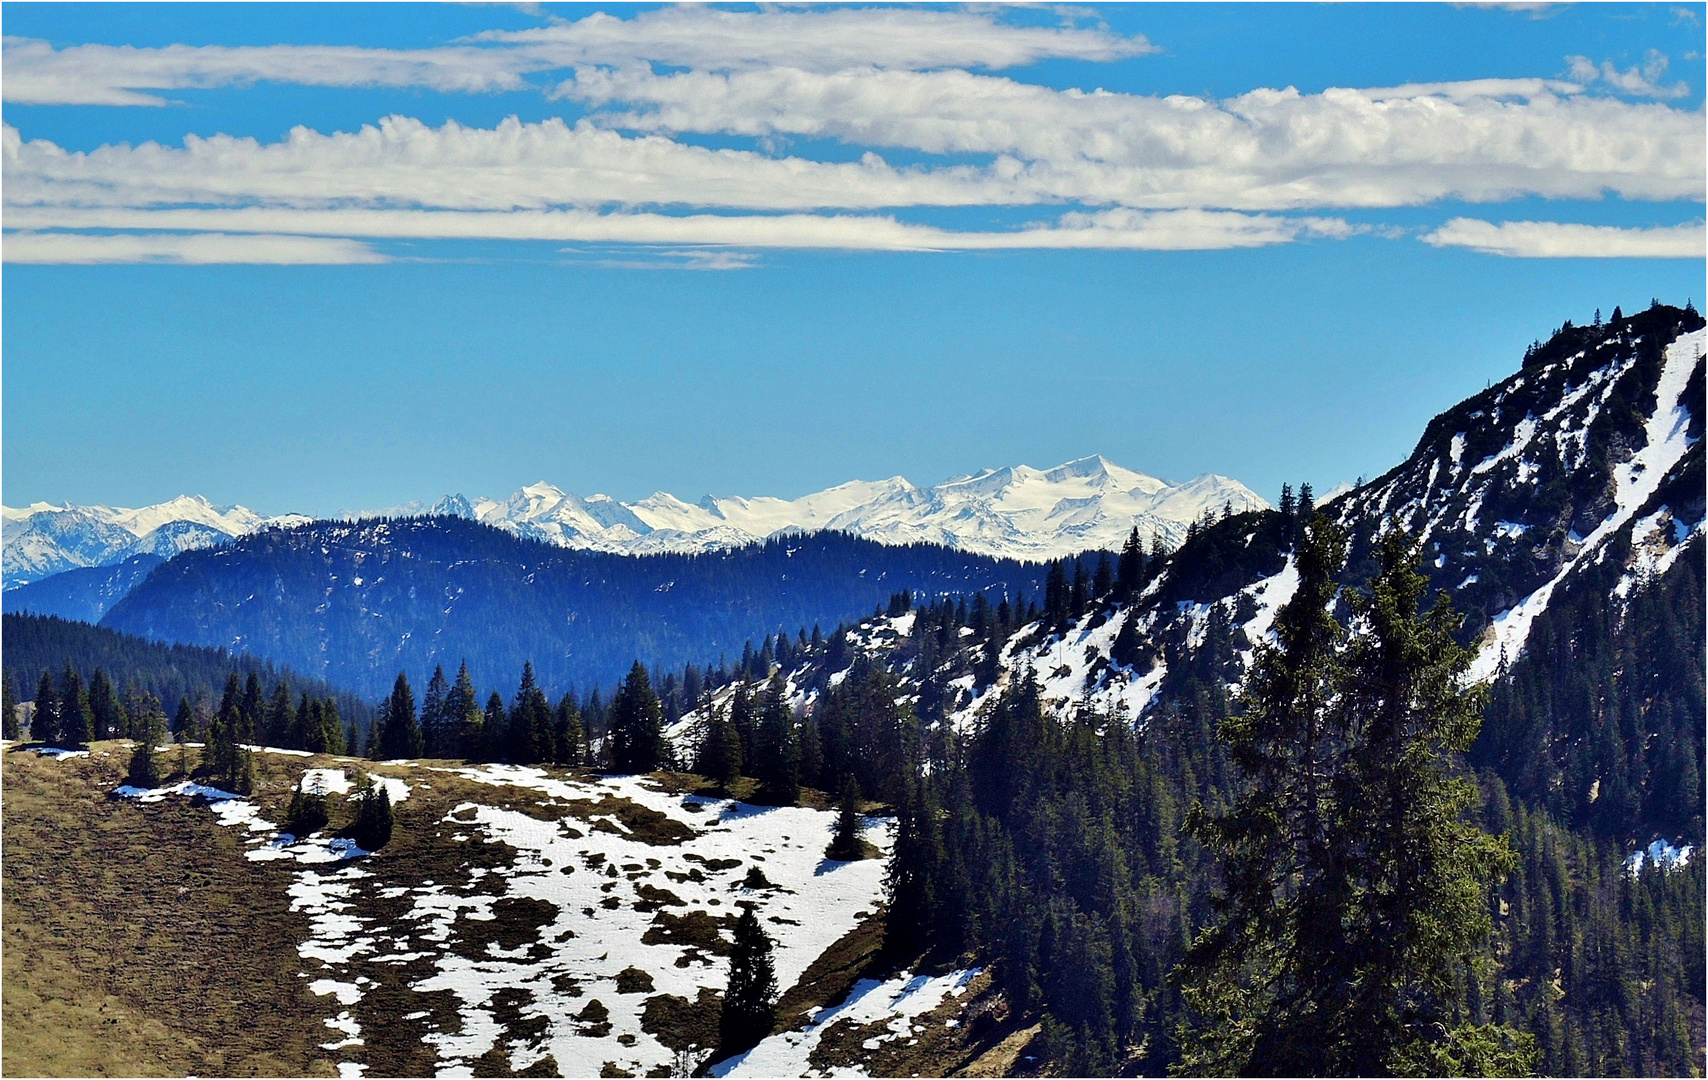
(41, 539)
(1017, 512)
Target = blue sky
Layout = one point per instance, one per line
(327, 257)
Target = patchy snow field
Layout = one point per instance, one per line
(599, 894)
(609, 889)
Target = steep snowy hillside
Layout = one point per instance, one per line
(1020, 512)
(1520, 487)
(42, 539)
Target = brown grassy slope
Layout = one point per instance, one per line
(138, 940)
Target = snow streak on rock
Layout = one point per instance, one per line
(1635, 480)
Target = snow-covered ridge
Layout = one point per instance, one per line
(1017, 512)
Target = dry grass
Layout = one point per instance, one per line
(138, 940)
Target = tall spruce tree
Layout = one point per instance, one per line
(569, 738)
(494, 731)
(776, 760)
(748, 1013)
(75, 724)
(910, 884)
(44, 721)
(845, 845)
(433, 723)
(106, 714)
(743, 718)
(252, 710)
(530, 722)
(1354, 888)
(1422, 871)
(9, 727)
(636, 734)
(1130, 567)
(719, 759)
(373, 825)
(1254, 973)
(225, 760)
(184, 720)
(303, 731)
(463, 716)
(280, 727)
(150, 726)
(399, 733)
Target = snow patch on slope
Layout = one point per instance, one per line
(900, 1001)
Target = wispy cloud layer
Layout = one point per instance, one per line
(1157, 230)
(199, 248)
(1557, 240)
(695, 36)
(912, 38)
(1264, 150)
(38, 74)
(1269, 150)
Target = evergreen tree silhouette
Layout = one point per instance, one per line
(748, 1013)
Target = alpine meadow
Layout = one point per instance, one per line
(1200, 569)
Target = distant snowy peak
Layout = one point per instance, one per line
(1016, 512)
(43, 539)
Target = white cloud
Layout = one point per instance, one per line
(514, 165)
(1560, 240)
(37, 73)
(1160, 230)
(700, 36)
(1264, 150)
(1642, 80)
(1117, 170)
(199, 249)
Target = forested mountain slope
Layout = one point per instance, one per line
(83, 594)
(38, 644)
(1045, 753)
(356, 602)
(1055, 751)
